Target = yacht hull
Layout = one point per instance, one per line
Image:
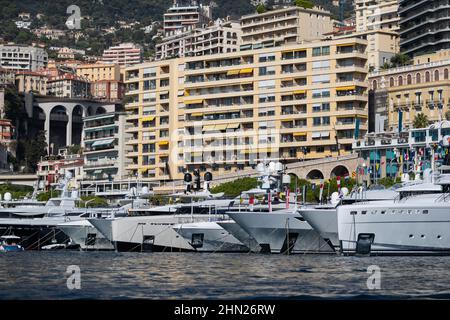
(86, 236)
(324, 221)
(278, 232)
(210, 237)
(236, 230)
(147, 233)
(395, 229)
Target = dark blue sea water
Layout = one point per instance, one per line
(109, 275)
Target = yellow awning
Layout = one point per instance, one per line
(208, 128)
(287, 120)
(247, 70)
(345, 44)
(300, 50)
(267, 150)
(288, 79)
(299, 92)
(249, 151)
(194, 101)
(143, 170)
(346, 88)
(163, 143)
(233, 126)
(186, 92)
(197, 114)
(232, 72)
(221, 126)
(146, 119)
(299, 134)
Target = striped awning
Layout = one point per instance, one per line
(99, 143)
(221, 126)
(209, 128)
(233, 126)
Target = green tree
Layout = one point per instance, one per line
(234, 188)
(420, 121)
(34, 150)
(74, 149)
(307, 4)
(399, 60)
(260, 8)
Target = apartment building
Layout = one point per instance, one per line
(284, 26)
(402, 93)
(231, 110)
(69, 86)
(222, 37)
(22, 58)
(382, 45)
(52, 168)
(124, 54)
(107, 90)
(377, 15)
(424, 26)
(184, 14)
(104, 147)
(99, 71)
(28, 81)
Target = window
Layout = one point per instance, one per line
(266, 57)
(321, 79)
(427, 76)
(316, 121)
(400, 81)
(445, 74)
(321, 65)
(353, 213)
(409, 79)
(267, 84)
(316, 52)
(418, 78)
(391, 82)
(436, 75)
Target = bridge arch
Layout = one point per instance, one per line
(339, 171)
(314, 174)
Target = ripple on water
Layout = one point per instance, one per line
(110, 275)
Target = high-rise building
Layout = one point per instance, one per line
(424, 26)
(184, 14)
(221, 37)
(284, 26)
(382, 45)
(124, 54)
(228, 111)
(104, 148)
(376, 15)
(22, 58)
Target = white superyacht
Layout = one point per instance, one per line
(416, 222)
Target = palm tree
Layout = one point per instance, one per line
(420, 121)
